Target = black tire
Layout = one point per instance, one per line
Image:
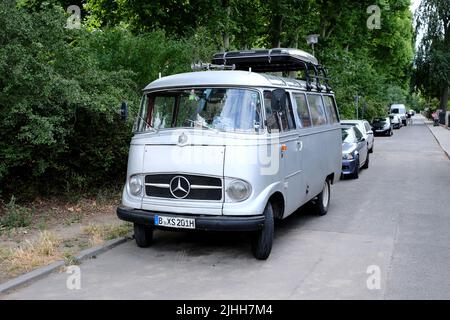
(143, 235)
(263, 239)
(366, 164)
(355, 174)
(323, 200)
(391, 133)
(371, 150)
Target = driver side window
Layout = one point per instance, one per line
(358, 133)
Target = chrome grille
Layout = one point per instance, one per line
(183, 186)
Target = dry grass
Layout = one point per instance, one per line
(98, 234)
(36, 253)
(4, 254)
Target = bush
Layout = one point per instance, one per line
(59, 127)
(15, 216)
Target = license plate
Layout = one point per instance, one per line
(174, 222)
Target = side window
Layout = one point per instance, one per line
(367, 126)
(302, 110)
(317, 110)
(331, 109)
(289, 114)
(271, 117)
(358, 133)
(285, 117)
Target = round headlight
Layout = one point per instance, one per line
(238, 190)
(136, 186)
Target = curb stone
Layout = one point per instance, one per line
(443, 149)
(41, 272)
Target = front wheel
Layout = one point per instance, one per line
(323, 199)
(263, 239)
(143, 235)
(355, 174)
(366, 164)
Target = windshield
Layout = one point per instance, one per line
(348, 135)
(380, 120)
(235, 110)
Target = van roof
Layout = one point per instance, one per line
(227, 78)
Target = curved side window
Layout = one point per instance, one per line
(318, 115)
(281, 120)
(330, 108)
(302, 110)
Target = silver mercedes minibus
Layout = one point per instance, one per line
(232, 150)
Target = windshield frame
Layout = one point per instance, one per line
(261, 130)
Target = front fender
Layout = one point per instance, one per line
(255, 205)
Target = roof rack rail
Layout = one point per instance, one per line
(277, 60)
(209, 66)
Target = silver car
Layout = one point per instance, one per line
(365, 129)
(230, 151)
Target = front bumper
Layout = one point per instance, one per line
(348, 166)
(381, 131)
(207, 223)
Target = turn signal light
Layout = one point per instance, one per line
(283, 147)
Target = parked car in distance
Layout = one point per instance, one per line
(382, 126)
(396, 121)
(365, 129)
(355, 154)
(400, 111)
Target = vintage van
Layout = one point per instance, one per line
(232, 150)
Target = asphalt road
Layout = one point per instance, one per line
(396, 217)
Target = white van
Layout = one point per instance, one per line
(232, 150)
(399, 110)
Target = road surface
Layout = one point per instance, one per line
(394, 222)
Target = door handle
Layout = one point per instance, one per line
(299, 145)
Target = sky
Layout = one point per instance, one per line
(414, 5)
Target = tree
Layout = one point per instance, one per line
(433, 57)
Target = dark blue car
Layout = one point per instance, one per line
(355, 154)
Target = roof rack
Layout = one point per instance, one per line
(209, 66)
(277, 60)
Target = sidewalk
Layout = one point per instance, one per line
(441, 134)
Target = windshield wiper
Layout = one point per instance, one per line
(148, 125)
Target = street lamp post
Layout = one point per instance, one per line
(357, 106)
(312, 39)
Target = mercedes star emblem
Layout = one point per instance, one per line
(182, 139)
(180, 187)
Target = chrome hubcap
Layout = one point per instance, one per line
(326, 195)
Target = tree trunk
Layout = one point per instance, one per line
(277, 25)
(226, 41)
(226, 34)
(444, 98)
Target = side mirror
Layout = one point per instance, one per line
(278, 101)
(124, 111)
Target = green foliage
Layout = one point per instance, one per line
(432, 75)
(15, 216)
(60, 89)
(59, 122)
